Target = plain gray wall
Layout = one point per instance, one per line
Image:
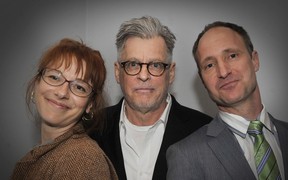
(29, 27)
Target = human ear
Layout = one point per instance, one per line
(255, 60)
(172, 72)
(117, 72)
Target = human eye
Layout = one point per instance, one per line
(233, 55)
(53, 76)
(208, 65)
(132, 65)
(157, 65)
(80, 87)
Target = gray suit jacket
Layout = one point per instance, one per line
(213, 152)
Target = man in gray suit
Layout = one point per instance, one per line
(227, 64)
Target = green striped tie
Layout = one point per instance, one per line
(265, 160)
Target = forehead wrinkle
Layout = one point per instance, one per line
(148, 61)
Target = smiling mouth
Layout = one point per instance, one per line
(227, 85)
(57, 104)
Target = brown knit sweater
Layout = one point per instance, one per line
(70, 156)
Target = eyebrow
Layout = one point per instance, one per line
(137, 60)
(225, 51)
(77, 78)
(229, 50)
(209, 58)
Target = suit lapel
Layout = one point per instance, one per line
(282, 131)
(113, 141)
(119, 154)
(175, 123)
(228, 151)
(169, 137)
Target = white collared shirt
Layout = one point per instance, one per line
(141, 144)
(241, 124)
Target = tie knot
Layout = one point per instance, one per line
(255, 128)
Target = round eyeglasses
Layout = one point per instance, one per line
(133, 68)
(55, 77)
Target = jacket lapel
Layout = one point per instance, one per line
(179, 125)
(174, 124)
(228, 151)
(282, 131)
(112, 140)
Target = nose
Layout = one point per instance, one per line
(224, 69)
(63, 90)
(144, 75)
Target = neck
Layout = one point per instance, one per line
(50, 133)
(249, 108)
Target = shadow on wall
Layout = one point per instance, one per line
(202, 97)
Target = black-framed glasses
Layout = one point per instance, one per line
(133, 68)
(55, 77)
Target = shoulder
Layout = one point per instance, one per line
(188, 113)
(82, 158)
(191, 146)
(111, 118)
(112, 114)
(278, 123)
(196, 138)
(83, 146)
(84, 149)
(215, 131)
(114, 108)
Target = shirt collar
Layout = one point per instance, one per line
(239, 125)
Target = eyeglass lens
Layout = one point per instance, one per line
(154, 68)
(78, 87)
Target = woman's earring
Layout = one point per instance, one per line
(87, 116)
(32, 97)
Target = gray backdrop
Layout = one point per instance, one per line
(29, 27)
